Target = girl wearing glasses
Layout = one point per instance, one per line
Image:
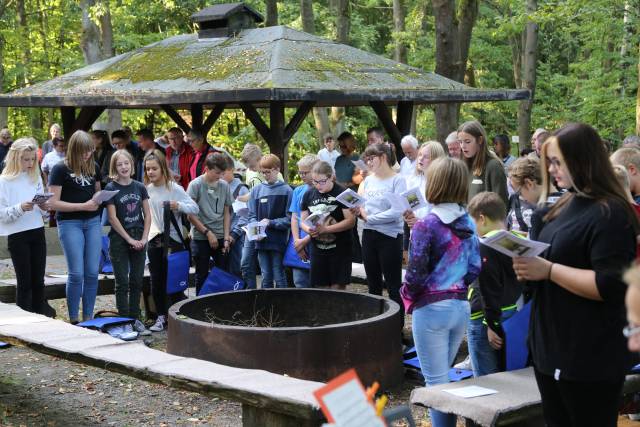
(577, 346)
(383, 223)
(330, 237)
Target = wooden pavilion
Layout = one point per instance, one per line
(232, 64)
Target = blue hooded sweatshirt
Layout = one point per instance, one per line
(272, 201)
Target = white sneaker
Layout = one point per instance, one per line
(138, 326)
(465, 364)
(159, 325)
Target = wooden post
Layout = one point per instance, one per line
(176, 117)
(196, 117)
(68, 118)
(211, 119)
(276, 140)
(85, 119)
(384, 115)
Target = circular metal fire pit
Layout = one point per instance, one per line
(313, 334)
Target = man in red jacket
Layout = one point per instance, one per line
(179, 156)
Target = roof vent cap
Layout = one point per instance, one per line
(225, 20)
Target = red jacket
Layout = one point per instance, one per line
(186, 157)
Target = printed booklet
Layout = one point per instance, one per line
(350, 198)
(514, 246)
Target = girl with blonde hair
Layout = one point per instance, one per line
(428, 152)
(74, 184)
(21, 221)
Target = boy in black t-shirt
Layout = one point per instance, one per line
(330, 235)
(494, 296)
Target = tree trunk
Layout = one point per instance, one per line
(4, 113)
(90, 38)
(272, 13)
(627, 33)
(399, 13)
(528, 75)
(638, 99)
(447, 61)
(343, 25)
(114, 116)
(467, 19)
(320, 114)
(35, 122)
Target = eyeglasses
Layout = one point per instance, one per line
(303, 173)
(370, 159)
(320, 181)
(629, 331)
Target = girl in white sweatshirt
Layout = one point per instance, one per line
(162, 188)
(21, 221)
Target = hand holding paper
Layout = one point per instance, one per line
(511, 245)
(102, 196)
(350, 198)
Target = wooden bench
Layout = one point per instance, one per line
(267, 399)
(517, 402)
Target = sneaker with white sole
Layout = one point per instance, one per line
(138, 326)
(465, 364)
(159, 326)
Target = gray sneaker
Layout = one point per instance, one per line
(465, 364)
(138, 326)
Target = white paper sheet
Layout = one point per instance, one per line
(102, 196)
(360, 165)
(315, 219)
(40, 198)
(350, 198)
(256, 230)
(511, 245)
(471, 391)
(240, 208)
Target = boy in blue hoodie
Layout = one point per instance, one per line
(271, 200)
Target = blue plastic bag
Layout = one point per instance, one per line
(178, 271)
(105, 261)
(220, 281)
(516, 330)
(291, 257)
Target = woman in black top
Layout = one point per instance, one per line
(577, 346)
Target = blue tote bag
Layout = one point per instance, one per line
(220, 281)
(516, 331)
(291, 257)
(105, 261)
(178, 263)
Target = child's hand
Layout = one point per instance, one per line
(355, 210)
(320, 229)
(299, 245)
(174, 205)
(494, 339)
(90, 205)
(213, 240)
(26, 206)
(410, 218)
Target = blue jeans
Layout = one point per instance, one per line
(484, 359)
(81, 241)
(235, 256)
(272, 269)
(300, 277)
(248, 264)
(438, 330)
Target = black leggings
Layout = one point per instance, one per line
(158, 275)
(579, 404)
(382, 257)
(28, 251)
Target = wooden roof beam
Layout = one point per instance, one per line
(176, 117)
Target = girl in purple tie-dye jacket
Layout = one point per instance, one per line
(444, 259)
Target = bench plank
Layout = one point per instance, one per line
(260, 392)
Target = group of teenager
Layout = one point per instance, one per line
(567, 193)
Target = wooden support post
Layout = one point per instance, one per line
(87, 117)
(403, 119)
(297, 120)
(211, 119)
(176, 117)
(276, 135)
(68, 119)
(255, 119)
(384, 115)
(196, 117)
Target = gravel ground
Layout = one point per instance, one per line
(40, 390)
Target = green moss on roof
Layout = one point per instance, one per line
(175, 61)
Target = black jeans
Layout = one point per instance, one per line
(579, 404)
(382, 257)
(28, 251)
(158, 275)
(201, 252)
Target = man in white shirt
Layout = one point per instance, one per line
(54, 156)
(329, 154)
(409, 145)
(453, 145)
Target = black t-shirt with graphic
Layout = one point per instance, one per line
(317, 202)
(75, 189)
(128, 203)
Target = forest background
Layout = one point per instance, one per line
(579, 57)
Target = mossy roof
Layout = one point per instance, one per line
(263, 64)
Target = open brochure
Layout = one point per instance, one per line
(314, 219)
(41, 198)
(360, 165)
(102, 196)
(350, 198)
(256, 230)
(412, 199)
(514, 246)
(240, 208)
